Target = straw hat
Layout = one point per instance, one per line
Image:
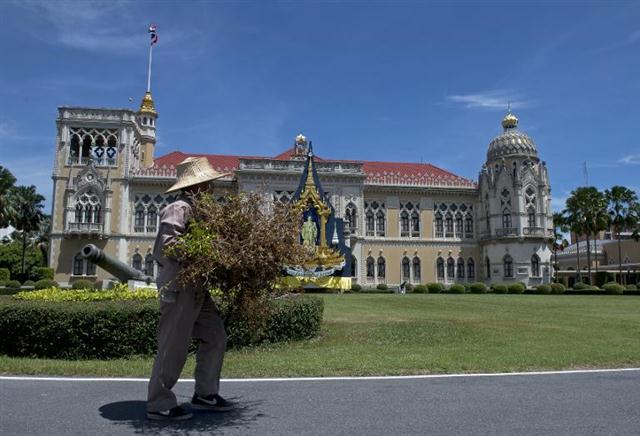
(193, 171)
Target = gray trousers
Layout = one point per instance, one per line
(179, 322)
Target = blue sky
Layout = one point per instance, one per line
(398, 81)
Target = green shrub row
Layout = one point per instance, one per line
(5, 274)
(119, 292)
(113, 329)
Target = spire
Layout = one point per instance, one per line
(147, 106)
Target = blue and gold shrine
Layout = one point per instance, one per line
(321, 232)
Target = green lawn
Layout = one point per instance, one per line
(420, 334)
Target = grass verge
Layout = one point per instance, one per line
(421, 334)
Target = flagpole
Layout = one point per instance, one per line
(149, 73)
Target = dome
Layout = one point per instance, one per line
(147, 106)
(511, 141)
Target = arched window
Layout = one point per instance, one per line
(404, 223)
(531, 217)
(488, 268)
(370, 223)
(381, 267)
(415, 224)
(74, 150)
(535, 266)
(78, 265)
(506, 220)
(85, 155)
(79, 216)
(350, 216)
(406, 269)
(507, 264)
(138, 225)
(417, 274)
(88, 209)
(448, 224)
(149, 264)
(440, 268)
(371, 268)
(97, 214)
(354, 266)
(439, 226)
(152, 218)
(91, 268)
(471, 269)
(451, 268)
(380, 224)
(458, 229)
(460, 268)
(136, 261)
(468, 226)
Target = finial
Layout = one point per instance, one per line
(509, 107)
(510, 121)
(301, 139)
(147, 106)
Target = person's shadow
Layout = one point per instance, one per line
(133, 415)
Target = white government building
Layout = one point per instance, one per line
(410, 222)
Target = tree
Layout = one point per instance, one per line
(559, 243)
(42, 237)
(7, 180)
(623, 214)
(574, 219)
(28, 214)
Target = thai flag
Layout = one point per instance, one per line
(154, 35)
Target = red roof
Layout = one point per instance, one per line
(403, 173)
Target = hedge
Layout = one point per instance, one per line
(356, 287)
(516, 288)
(456, 289)
(613, 288)
(45, 283)
(435, 288)
(382, 287)
(43, 273)
(5, 274)
(478, 288)
(29, 283)
(119, 292)
(543, 289)
(499, 288)
(82, 284)
(420, 289)
(114, 329)
(10, 287)
(558, 288)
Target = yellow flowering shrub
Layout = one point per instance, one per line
(118, 292)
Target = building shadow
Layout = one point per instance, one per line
(132, 416)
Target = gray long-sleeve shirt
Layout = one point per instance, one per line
(174, 221)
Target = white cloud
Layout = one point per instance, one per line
(632, 159)
(487, 100)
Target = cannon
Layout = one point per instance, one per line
(121, 271)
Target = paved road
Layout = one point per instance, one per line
(548, 404)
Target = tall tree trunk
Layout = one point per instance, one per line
(579, 272)
(24, 252)
(555, 265)
(589, 259)
(619, 259)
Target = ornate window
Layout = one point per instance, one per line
(451, 268)
(507, 264)
(152, 219)
(89, 144)
(440, 268)
(488, 268)
(381, 267)
(138, 225)
(136, 261)
(448, 224)
(149, 265)
(417, 274)
(406, 269)
(78, 265)
(460, 268)
(468, 226)
(371, 268)
(404, 224)
(375, 214)
(530, 205)
(459, 229)
(351, 217)
(146, 211)
(535, 266)
(415, 224)
(88, 208)
(506, 220)
(531, 218)
(410, 219)
(471, 269)
(439, 226)
(354, 266)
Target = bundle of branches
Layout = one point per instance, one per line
(239, 246)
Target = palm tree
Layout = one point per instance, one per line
(559, 243)
(7, 181)
(574, 218)
(622, 209)
(28, 214)
(42, 239)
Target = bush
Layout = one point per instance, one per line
(356, 287)
(435, 288)
(113, 329)
(408, 287)
(558, 288)
(580, 286)
(382, 287)
(631, 288)
(82, 284)
(120, 293)
(602, 277)
(543, 289)
(46, 283)
(456, 289)
(499, 288)
(10, 287)
(29, 283)
(420, 289)
(5, 274)
(516, 288)
(43, 273)
(613, 288)
(478, 288)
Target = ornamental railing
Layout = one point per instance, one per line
(507, 231)
(85, 227)
(533, 231)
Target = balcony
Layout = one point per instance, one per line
(506, 231)
(533, 231)
(85, 228)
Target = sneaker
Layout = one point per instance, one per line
(175, 414)
(214, 403)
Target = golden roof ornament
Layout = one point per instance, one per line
(510, 121)
(147, 106)
(301, 139)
